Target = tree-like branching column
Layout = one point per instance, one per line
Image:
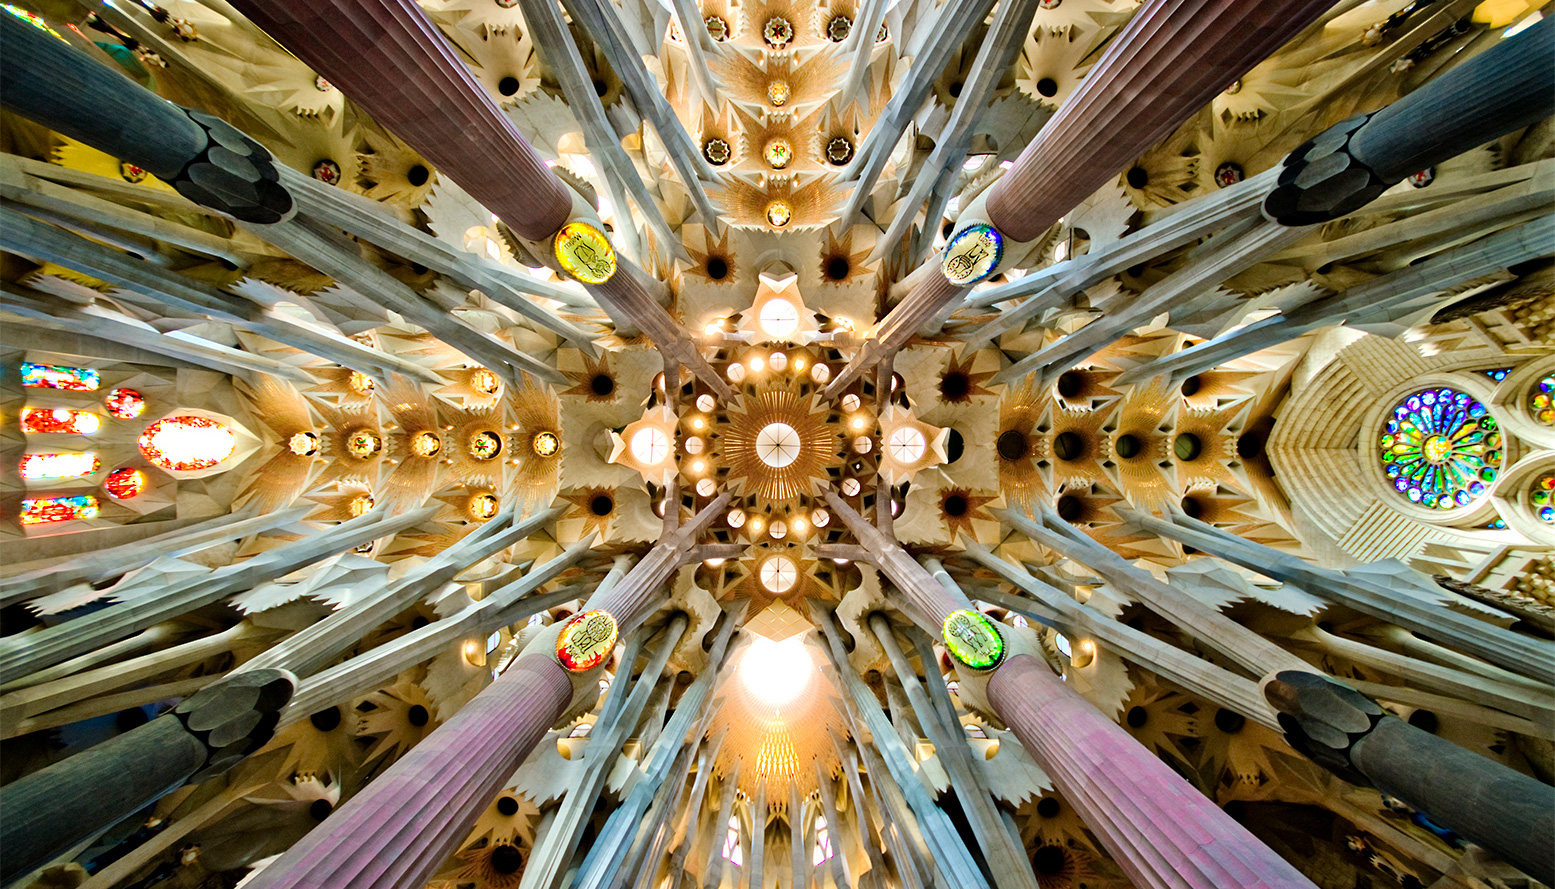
(1503, 810)
(55, 808)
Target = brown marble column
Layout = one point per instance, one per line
(1159, 829)
(400, 829)
(1171, 60)
(390, 59)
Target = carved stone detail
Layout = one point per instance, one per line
(234, 174)
(235, 717)
(1322, 179)
(1323, 719)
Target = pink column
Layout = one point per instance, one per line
(390, 59)
(1159, 829)
(400, 829)
(1171, 60)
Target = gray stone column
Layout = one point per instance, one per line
(1503, 810)
(205, 159)
(1504, 88)
(53, 809)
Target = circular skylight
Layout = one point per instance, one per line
(906, 445)
(779, 318)
(777, 444)
(779, 574)
(650, 446)
(776, 672)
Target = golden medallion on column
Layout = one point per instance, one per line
(587, 640)
(585, 253)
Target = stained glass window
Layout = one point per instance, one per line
(58, 376)
(125, 404)
(31, 18)
(1539, 401)
(186, 443)
(1441, 448)
(1543, 498)
(38, 510)
(46, 466)
(124, 483)
(59, 420)
(1498, 374)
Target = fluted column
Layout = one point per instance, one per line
(390, 59)
(1507, 87)
(1160, 830)
(399, 830)
(1507, 812)
(1171, 60)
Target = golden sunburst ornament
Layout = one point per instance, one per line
(778, 445)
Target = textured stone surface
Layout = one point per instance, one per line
(398, 831)
(1159, 829)
(52, 809)
(1483, 800)
(417, 87)
(1323, 180)
(205, 159)
(1181, 54)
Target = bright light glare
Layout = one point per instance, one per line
(776, 672)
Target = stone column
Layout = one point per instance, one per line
(401, 827)
(1179, 54)
(1507, 812)
(390, 59)
(1507, 87)
(53, 809)
(630, 600)
(202, 157)
(927, 603)
(1158, 828)
(20, 656)
(1169, 62)
(107, 564)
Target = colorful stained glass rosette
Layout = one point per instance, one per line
(125, 404)
(586, 640)
(59, 420)
(36, 467)
(41, 510)
(124, 483)
(58, 376)
(972, 639)
(187, 444)
(1441, 449)
(1540, 403)
(1543, 498)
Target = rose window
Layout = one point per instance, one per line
(1441, 449)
